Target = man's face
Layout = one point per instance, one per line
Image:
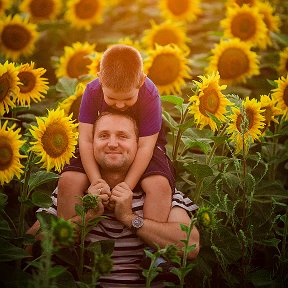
(120, 100)
(115, 142)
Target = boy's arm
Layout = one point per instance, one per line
(86, 152)
(143, 156)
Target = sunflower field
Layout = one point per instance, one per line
(221, 68)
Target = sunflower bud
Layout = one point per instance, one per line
(63, 232)
(90, 201)
(205, 217)
(104, 263)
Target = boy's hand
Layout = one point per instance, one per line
(121, 198)
(100, 187)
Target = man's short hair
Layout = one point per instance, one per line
(113, 112)
(121, 68)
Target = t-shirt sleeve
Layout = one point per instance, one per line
(88, 107)
(150, 112)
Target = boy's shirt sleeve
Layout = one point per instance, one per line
(150, 112)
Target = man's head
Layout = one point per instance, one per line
(121, 76)
(115, 141)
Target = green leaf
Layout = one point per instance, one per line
(66, 86)
(204, 147)
(79, 210)
(41, 199)
(199, 171)
(3, 200)
(271, 242)
(41, 177)
(188, 124)
(170, 121)
(178, 101)
(56, 271)
(9, 252)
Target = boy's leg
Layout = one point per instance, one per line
(71, 186)
(158, 197)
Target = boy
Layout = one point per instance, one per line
(123, 86)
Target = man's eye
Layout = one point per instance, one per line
(123, 136)
(103, 136)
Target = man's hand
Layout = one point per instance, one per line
(122, 197)
(101, 188)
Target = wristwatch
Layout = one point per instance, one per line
(137, 222)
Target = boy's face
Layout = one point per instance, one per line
(120, 100)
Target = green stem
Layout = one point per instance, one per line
(82, 247)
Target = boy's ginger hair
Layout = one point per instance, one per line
(121, 68)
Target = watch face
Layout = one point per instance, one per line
(137, 222)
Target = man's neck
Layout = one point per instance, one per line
(113, 178)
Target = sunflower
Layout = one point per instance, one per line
(10, 145)
(17, 37)
(246, 24)
(75, 61)
(40, 10)
(280, 95)
(234, 60)
(270, 111)
(9, 89)
(271, 21)
(182, 10)
(94, 67)
(56, 137)
(85, 13)
(4, 5)
(241, 2)
(128, 41)
(167, 67)
(209, 99)
(166, 33)
(283, 63)
(245, 131)
(71, 105)
(33, 86)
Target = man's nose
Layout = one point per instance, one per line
(112, 142)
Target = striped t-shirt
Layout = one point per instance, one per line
(128, 248)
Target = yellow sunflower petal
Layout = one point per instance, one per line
(9, 89)
(71, 105)
(241, 2)
(33, 86)
(246, 24)
(280, 95)
(18, 37)
(209, 99)
(234, 60)
(283, 62)
(10, 145)
(245, 132)
(167, 66)
(85, 13)
(41, 10)
(56, 138)
(165, 33)
(182, 10)
(75, 61)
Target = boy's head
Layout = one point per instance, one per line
(121, 76)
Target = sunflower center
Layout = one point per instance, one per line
(178, 7)
(165, 69)
(243, 26)
(78, 65)
(242, 2)
(165, 37)
(6, 153)
(232, 63)
(250, 119)
(28, 80)
(15, 37)
(209, 102)
(285, 96)
(86, 9)
(41, 8)
(75, 107)
(4, 86)
(55, 140)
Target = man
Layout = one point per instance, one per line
(115, 147)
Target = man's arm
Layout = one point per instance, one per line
(152, 231)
